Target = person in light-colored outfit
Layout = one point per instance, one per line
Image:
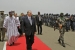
(11, 24)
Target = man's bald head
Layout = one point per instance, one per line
(29, 13)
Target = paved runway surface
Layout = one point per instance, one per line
(50, 38)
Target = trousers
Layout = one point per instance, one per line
(2, 33)
(29, 40)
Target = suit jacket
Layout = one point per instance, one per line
(21, 22)
(37, 20)
(28, 28)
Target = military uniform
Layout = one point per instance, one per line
(46, 19)
(55, 22)
(2, 30)
(73, 24)
(49, 20)
(61, 20)
(67, 23)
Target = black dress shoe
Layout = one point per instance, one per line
(13, 43)
(66, 30)
(40, 34)
(29, 48)
(72, 30)
(10, 44)
(63, 45)
(2, 40)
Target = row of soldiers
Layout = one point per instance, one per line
(50, 20)
(62, 22)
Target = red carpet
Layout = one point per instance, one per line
(20, 44)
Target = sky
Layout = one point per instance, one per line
(44, 6)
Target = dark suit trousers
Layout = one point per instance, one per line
(29, 41)
(20, 31)
(39, 26)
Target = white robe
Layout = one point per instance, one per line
(11, 23)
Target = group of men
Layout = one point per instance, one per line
(26, 24)
(15, 27)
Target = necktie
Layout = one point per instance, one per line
(30, 21)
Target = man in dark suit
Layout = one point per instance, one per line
(29, 27)
(39, 23)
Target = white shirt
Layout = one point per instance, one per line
(39, 17)
(29, 18)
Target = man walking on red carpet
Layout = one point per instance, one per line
(29, 27)
(11, 24)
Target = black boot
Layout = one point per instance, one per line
(0, 39)
(63, 44)
(10, 44)
(66, 30)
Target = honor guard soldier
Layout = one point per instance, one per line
(2, 30)
(49, 19)
(73, 24)
(61, 23)
(67, 22)
(46, 19)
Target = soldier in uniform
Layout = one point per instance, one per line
(61, 23)
(55, 23)
(46, 19)
(73, 24)
(43, 18)
(67, 22)
(52, 18)
(49, 19)
(2, 30)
